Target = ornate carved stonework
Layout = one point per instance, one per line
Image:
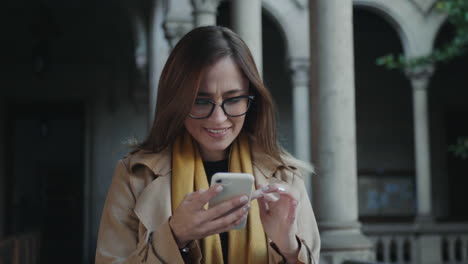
(424, 5)
(175, 30)
(300, 71)
(205, 5)
(301, 4)
(422, 72)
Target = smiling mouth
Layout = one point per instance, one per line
(217, 131)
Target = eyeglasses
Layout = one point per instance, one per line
(232, 107)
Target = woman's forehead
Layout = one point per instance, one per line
(223, 77)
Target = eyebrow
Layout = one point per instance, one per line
(226, 93)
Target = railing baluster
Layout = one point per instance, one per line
(414, 245)
(464, 248)
(399, 249)
(451, 248)
(386, 248)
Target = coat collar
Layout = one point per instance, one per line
(159, 163)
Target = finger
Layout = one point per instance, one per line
(188, 197)
(203, 197)
(271, 193)
(271, 197)
(292, 211)
(274, 187)
(262, 206)
(225, 207)
(256, 194)
(236, 223)
(228, 222)
(280, 191)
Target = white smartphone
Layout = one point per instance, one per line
(234, 184)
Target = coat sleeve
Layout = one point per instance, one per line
(120, 232)
(308, 234)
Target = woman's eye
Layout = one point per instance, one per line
(234, 100)
(202, 101)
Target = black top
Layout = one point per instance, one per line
(212, 167)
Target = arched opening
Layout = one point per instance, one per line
(448, 95)
(384, 124)
(275, 71)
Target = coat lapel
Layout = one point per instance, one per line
(153, 207)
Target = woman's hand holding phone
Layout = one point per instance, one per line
(191, 221)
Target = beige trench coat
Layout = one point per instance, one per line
(134, 225)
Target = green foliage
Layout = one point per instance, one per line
(457, 15)
(460, 148)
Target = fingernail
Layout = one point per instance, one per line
(243, 199)
(246, 208)
(265, 188)
(202, 191)
(219, 188)
(281, 189)
(295, 203)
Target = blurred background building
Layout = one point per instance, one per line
(79, 78)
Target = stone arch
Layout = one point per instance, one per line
(294, 24)
(279, 26)
(390, 14)
(416, 28)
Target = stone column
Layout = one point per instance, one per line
(334, 132)
(247, 22)
(176, 29)
(300, 78)
(419, 81)
(204, 12)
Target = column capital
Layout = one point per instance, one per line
(175, 30)
(419, 77)
(420, 72)
(205, 6)
(299, 68)
(301, 4)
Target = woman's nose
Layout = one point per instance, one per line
(218, 114)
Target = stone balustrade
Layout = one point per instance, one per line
(403, 243)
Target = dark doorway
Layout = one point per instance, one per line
(384, 123)
(448, 96)
(45, 177)
(457, 168)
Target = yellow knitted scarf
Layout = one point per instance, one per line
(247, 245)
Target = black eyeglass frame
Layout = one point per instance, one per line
(250, 97)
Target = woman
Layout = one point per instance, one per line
(213, 114)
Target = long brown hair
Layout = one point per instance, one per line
(180, 81)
